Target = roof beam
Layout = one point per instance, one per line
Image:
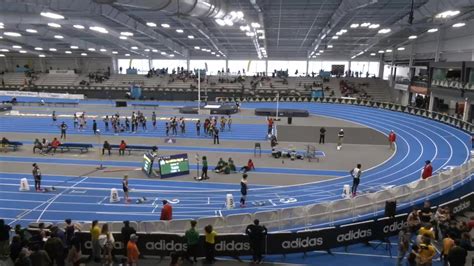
(344, 8)
(129, 22)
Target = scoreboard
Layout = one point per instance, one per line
(173, 165)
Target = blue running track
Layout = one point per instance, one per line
(86, 198)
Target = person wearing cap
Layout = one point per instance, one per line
(166, 211)
(127, 231)
(132, 250)
(391, 139)
(37, 177)
(340, 138)
(427, 170)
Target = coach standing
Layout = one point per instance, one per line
(37, 177)
(63, 128)
(166, 211)
(391, 139)
(340, 138)
(256, 233)
(322, 135)
(356, 173)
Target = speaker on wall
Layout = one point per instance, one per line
(390, 208)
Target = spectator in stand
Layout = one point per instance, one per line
(413, 220)
(448, 244)
(133, 253)
(122, 147)
(55, 249)
(23, 258)
(465, 241)
(470, 224)
(256, 234)
(166, 211)
(74, 255)
(192, 239)
(69, 231)
(209, 243)
(426, 214)
(39, 257)
(403, 244)
(4, 238)
(457, 255)
(127, 231)
(426, 252)
(96, 248)
(15, 248)
(107, 243)
(427, 170)
(426, 231)
(391, 139)
(441, 219)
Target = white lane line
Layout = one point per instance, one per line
(271, 202)
(57, 196)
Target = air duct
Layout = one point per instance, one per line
(193, 8)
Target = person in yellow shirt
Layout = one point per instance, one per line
(448, 244)
(95, 233)
(210, 243)
(426, 252)
(427, 230)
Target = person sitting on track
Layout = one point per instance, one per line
(232, 165)
(221, 164)
(250, 166)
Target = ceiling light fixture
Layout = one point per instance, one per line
(4, 50)
(245, 28)
(374, 26)
(432, 30)
(12, 34)
(147, 50)
(412, 37)
(330, 46)
(58, 37)
(255, 25)
(335, 37)
(53, 49)
(372, 54)
(54, 25)
(103, 50)
(38, 49)
(99, 29)
(84, 54)
(220, 22)
(401, 48)
(22, 52)
(448, 14)
(384, 31)
(31, 30)
(123, 37)
(51, 15)
(381, 52)
(74, 47)
(127, 54)
(458, 25)
(67, 52)
(16, 47)
(388, 50)
(91, 49)
(114, 52)
(126, 33)
(250, 34)
(41, 55)
(79, 27)
(179, 31)
(190, 37)
(134, 48)
(2, 55)
(197, 47)
(354, 26)
(165, 25)
(228, 22)
(151, 24)
(154, 51)
(261, 37)
(171, 55)
(365, 24)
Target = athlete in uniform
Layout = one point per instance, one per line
(125, 188)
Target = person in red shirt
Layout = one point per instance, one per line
(427, 170)
(132, 250)
(270, 126)
(250, 166)
(53, 146)
(166, 211)
(122, 147)
(391, 139)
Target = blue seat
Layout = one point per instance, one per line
(14, 145)
(83, 147)
(131, 148)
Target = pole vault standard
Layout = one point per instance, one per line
(199, 91)
(277, 111)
